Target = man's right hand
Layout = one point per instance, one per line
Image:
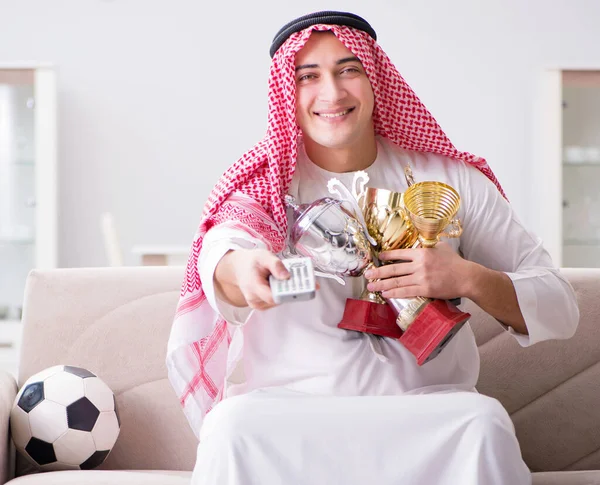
(242, 277)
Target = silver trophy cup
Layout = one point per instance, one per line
(331, 236)
(339, 245)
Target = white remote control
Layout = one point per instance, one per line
(301, 284)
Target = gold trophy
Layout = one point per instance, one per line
(428, 324)
(369, 313)
(389, 227)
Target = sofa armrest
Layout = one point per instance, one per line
(8, 392)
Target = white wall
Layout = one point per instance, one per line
(157, 98)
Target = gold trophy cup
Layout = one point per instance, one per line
(389, 226)
(428, 324)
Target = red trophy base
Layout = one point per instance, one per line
(370, 317)
(433, 328)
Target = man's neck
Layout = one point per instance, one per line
(342, 160)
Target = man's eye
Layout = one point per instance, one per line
(306, 77)
(350, 70)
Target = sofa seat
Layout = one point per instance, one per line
(159, 477)
(107, 477)
(587, 477)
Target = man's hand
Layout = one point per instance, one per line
(441, 273)
(437, 272)
(242, 277)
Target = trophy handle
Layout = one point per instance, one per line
(408, 175)
(359, 185)
(336, 187)
(454, 229)
(289, 253)
(290, 201)
(335, 277)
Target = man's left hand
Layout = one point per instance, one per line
(437, 272)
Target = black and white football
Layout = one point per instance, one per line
(65, 418)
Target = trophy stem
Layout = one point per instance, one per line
(371, 296)
(428, 243)
(407, 309)
(411, 311)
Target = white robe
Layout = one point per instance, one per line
(297, 365)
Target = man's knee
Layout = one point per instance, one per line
(229, 420)
(488, 417)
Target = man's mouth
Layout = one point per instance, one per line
(337, 114)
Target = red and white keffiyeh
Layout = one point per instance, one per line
(250, 193)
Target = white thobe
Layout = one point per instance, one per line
(313, 403)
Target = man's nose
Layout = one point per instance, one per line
(331, 89)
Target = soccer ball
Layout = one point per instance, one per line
(64, 418)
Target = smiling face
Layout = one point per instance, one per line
(334, 98)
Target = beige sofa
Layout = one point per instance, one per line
(116, 322)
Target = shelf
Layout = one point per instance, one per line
(24, 163)
(17, 240)
(581, 242)
(581, 164)
(9, 322)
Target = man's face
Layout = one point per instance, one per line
(334, 98)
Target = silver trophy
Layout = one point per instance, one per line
(338, 242)
(331, 236)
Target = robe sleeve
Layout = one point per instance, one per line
(217, 242)
(494, 237)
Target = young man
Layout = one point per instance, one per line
(301, 401)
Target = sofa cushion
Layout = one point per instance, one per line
(105, 477)
(567, 478)
(116, 323)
